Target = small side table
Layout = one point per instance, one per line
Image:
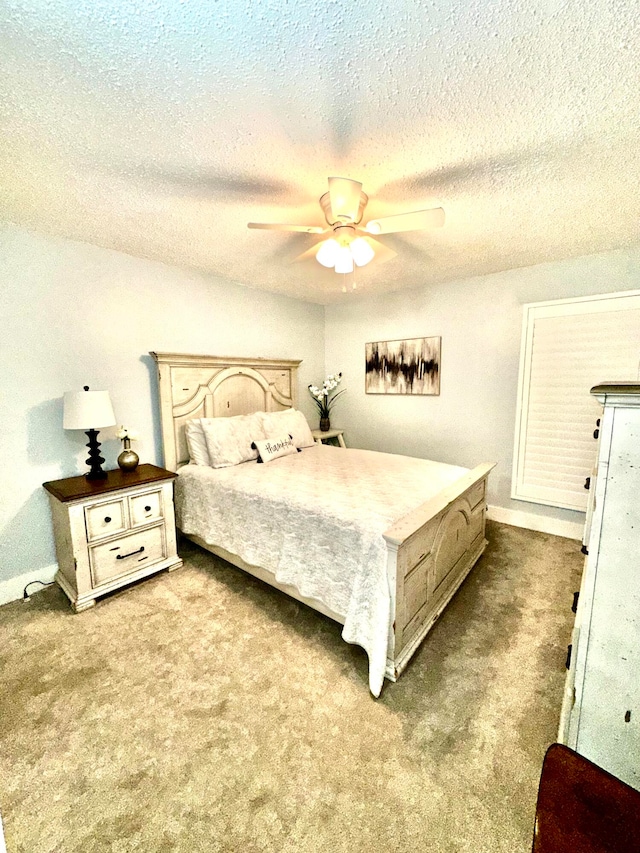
(319, 435)
(111, 532)
(583, 808)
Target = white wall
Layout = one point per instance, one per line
(73, 315)
(480, 321)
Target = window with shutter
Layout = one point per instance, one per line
(568, 346)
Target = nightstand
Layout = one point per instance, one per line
(319, 435)
(111, 532)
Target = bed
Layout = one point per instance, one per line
(384, 565)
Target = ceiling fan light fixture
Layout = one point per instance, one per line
(343, 207)
(361, 251)
(328, 252)
(344, 261)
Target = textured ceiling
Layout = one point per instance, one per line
(160, 128)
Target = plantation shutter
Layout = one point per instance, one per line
(568, 346)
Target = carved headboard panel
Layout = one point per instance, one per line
(207, 386)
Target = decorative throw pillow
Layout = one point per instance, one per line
(288, 422)
(196, 442)
(273, 448)
(229, 440)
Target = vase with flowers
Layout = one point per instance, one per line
(325, 398)
(128, 459)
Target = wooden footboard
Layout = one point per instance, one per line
(430, 552)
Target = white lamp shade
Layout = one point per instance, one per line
(344, 261)
(328, 252)
(361, 251)
(87, 410)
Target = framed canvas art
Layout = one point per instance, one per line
(403, 367)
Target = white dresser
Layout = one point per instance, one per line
(601, 708)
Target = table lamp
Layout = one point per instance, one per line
(88, 410)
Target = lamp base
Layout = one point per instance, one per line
(96, 475)
(95, 460)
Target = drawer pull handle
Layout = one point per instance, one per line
(147, 508)
(568, 660)
(574, 606)
(587, 483)
(584, 550)
(124, 556)
(596, 433)
(107, 519)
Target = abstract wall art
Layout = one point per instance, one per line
(403, 367)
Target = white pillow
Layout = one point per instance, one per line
(273, 448)
(288, 422)
(229, 440)
(196, 443)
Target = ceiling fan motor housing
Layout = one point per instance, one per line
(344, 234)
(325, 204)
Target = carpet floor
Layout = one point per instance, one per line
(204, 711)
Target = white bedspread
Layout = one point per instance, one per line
(315, 520)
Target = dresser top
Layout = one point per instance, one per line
(78, 488)
(630, 387)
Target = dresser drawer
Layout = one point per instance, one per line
(127, 554)
(146, 508)
(106, 519)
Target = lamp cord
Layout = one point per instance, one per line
(25, 594)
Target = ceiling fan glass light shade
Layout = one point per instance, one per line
(344, 261)
(373, 227)
(361, 251)
(328, 253)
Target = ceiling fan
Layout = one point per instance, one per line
(343, 207)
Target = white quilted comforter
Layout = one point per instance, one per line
(315, 520)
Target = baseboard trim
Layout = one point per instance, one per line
(13, 589)
(568, 529)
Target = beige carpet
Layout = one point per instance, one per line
(204, 711)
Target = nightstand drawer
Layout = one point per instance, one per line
(128, 554)
(106, 519)
(146, 508)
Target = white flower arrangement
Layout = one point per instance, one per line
(126, 435)
(324, 398)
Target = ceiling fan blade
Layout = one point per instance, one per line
(383, 253)
(345, 198)
(309, 254)
(278, 226)
(419, 220)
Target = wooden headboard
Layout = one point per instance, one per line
(208, 386)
